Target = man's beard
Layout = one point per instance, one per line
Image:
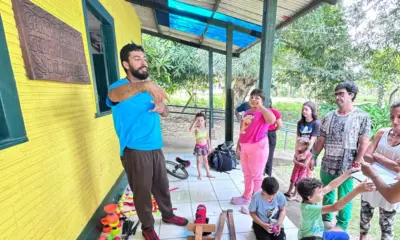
(138, 75)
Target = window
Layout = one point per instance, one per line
(102, 47)
(12, 128)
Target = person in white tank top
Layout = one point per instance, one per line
(385, 150)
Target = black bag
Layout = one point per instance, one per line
(223, 158)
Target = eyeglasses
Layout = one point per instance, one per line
(340, 94)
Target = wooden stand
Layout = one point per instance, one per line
(231, 225)
(199, 229)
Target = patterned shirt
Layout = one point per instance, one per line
(341, 134)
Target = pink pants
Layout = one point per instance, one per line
(253, 157)
(298, 173)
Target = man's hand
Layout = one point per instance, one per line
(365, 187)
(159, 108)
(368, 170)
(156, 92)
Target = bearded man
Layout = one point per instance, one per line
(137, 104)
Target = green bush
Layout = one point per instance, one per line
(219, 102)
(380, 116)
(324, 108)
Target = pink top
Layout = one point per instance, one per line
(277, 114)
(253, 127)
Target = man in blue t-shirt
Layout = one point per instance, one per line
(137, 105)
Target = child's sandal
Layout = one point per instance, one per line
(287, 195)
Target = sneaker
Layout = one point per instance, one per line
(180, 221)
(245, 210)
(150, 235)
(240, 201)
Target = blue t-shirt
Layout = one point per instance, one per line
(267, 211)
(136, 127)
(243, 107)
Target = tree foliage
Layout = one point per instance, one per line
(376, 38)
(315, 51)
(175, 66)
(358, 42)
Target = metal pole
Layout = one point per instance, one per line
(267, 47)
(211, 91)
(228, 85)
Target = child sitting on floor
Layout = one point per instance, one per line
(312, 193)
(268, 209)
(300, 166)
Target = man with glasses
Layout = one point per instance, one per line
(344, 135)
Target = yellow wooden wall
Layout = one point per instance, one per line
(51, 185)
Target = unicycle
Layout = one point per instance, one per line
(178, 168)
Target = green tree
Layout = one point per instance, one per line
(175, 66)
(376, 37)
(315, 51)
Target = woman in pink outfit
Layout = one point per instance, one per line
(253, 145)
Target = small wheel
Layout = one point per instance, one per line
(176, 170)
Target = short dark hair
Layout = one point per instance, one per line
(306, 187)
(125, 50)
(350, 87)
(270, 185)
(312, 238)
(258, 92)
(395, 104)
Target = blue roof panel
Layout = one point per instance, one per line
(185, 24)
(196, 27)
(216, 33)
(242, 40)
(238, 22)
(189, 8)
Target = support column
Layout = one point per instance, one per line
(211, 92)
(267, 48)
(228, 85)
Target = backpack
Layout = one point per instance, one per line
(223, 158)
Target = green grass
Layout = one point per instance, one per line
(219, 101)
(284, 171)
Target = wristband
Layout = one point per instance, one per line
(315, 155)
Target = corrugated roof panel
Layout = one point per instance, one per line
(219, 45)
(242, 40)
(216, 33)
(245, 13)
(189, 8)
(146, 16)
(181, 35)
(207, 4)
(187, 24)
(238, 22)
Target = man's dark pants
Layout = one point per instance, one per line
(147, 175)
(272, 145)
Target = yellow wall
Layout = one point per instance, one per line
(51, 185)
